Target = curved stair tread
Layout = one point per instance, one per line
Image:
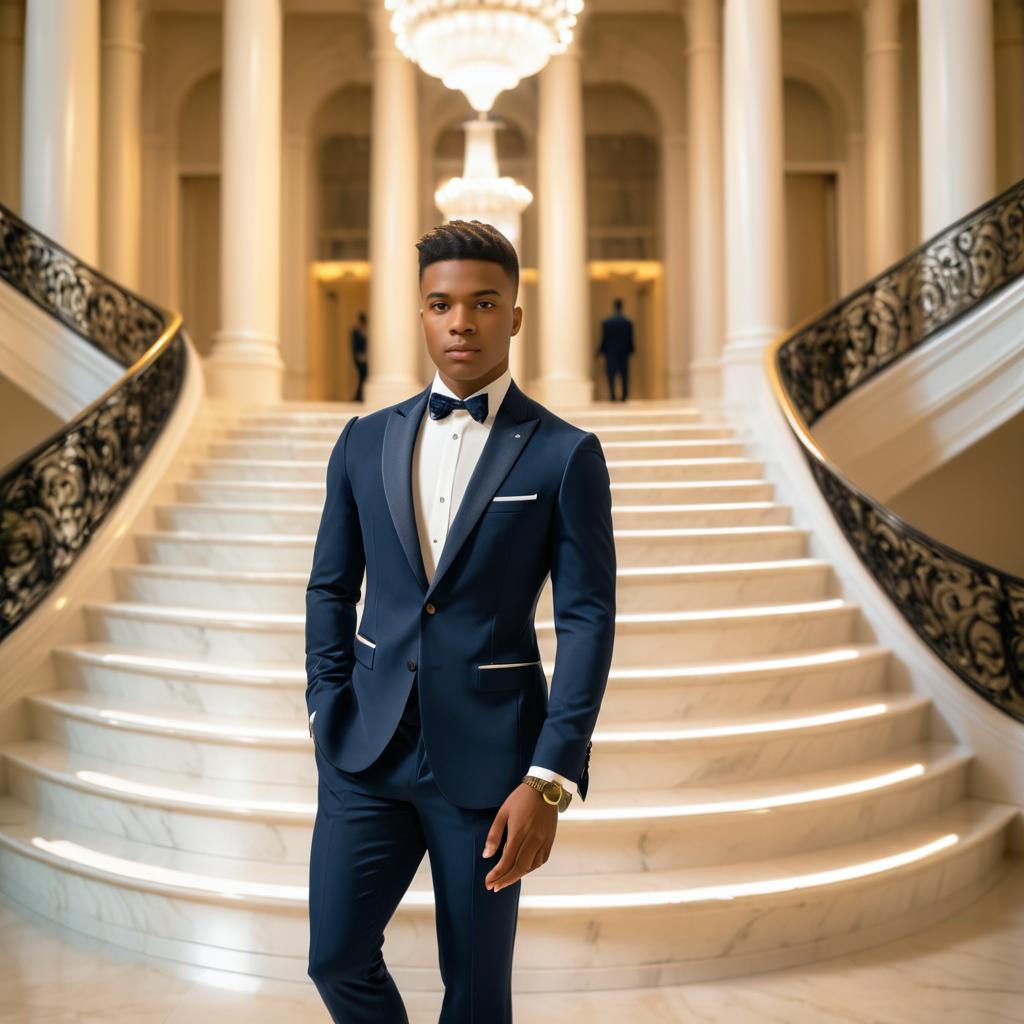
(130, 863)
(188, 722)
(169, 789)
(703, 673)
(198, 616)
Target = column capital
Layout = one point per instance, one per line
(12, 20)
(121, 24)
(383, 45)
(703, 21)
(881, 20)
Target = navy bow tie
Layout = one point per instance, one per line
(442, 405)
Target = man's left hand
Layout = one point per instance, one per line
(532, 823)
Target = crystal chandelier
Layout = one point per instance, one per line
(484, 47)
(480, 194)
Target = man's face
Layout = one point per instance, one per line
(469, 316)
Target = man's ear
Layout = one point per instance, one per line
(517, 319)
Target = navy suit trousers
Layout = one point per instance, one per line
(617, 367)
(371, 830)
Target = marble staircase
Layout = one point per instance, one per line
(760, 795)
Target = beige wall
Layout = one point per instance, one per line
(24, 422)
(974, 502)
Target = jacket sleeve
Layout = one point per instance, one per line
(334, 583)
(583, 594)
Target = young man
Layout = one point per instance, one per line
(432, 723)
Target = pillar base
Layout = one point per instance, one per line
(568, 394)
(245, 366)
(705, 380)
(379, 392)
(742, 366)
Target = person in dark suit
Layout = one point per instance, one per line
(358, 340)
(617, 346)
(432, 723)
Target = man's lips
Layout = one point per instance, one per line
(462, 353)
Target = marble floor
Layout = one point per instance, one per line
(968, 969)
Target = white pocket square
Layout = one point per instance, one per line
(514, 497)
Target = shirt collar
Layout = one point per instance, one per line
(495, 390)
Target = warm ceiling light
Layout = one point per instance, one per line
(485, 47)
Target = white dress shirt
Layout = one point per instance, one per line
(444, 457)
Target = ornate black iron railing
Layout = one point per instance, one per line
(969, 613)
(54, 498)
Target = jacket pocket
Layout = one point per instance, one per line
(363, 650)
(510, 502)
(506, 675)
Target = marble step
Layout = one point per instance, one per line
(615, 930)
(633, 547)
(205, 517)
(663, 587)
(637, 830)
(613, 432)
(589, 418)
(275, 691)
(664, 753)
(290, 492)
(654, 470)
(319, 451)
(645, 639)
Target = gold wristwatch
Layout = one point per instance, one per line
(553, 792)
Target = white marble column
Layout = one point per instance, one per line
(565, 348)
(755, 226)
(12, 42)
(121, 139)
(706, 227)
(884, 210)
(674, 196)
(394, 333)
(246, 363)
(60, 127)
(957, 90)
(852, 234)
(1009, 40)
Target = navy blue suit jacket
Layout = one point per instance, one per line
(483, 723)
(616, 338)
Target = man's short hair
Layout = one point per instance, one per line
(469, 240)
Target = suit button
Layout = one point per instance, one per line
(430, 608)
(410, 665)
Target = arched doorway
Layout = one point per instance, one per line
(624, 237)
(339, 279)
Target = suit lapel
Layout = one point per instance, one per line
(513, 425)
(509, 434)
(396, 470)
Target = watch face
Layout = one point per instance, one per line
(552, 792)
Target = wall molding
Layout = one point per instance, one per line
(27, 652)
(933, 402)
(959, 714)
(48, 360)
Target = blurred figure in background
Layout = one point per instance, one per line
(616, 347)
(359, 353)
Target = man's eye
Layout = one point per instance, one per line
(438, 304)
(488, 301)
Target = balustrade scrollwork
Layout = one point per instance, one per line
(54, 497)
(969, 613)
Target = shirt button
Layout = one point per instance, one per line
(455, 437)
(410, 665)
(442, 501)
(430, 608)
